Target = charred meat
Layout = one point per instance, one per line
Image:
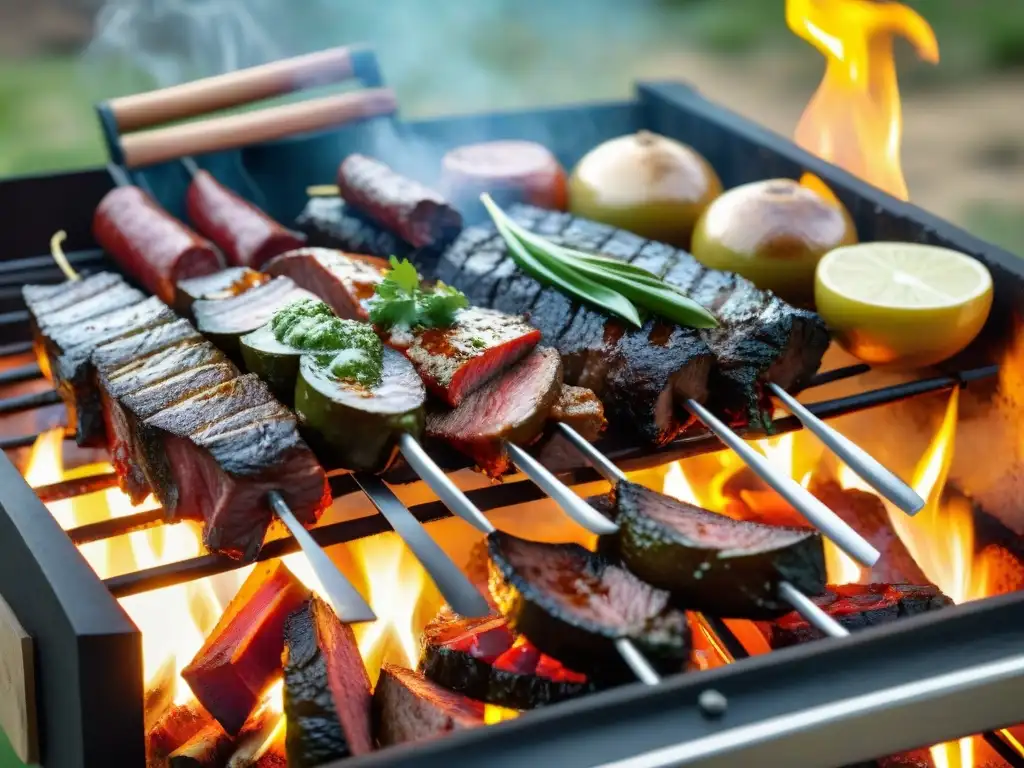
(513, 407)
(856, 606)
(409, 707)
(326, 688)
(713, 563)
(573, 605)
(581, 409)
(329, 222)
(224, 284)
(346, 283)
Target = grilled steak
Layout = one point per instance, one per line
(66, 355)
(573, 604)
(409, 707)
(514, 407)
(116, 297)
(329, 223)
(580, 409)
(224, 284)
(42, 300)
(326, 688)
(455, 362)
(634, 371)
(345, 283)
(856, 606)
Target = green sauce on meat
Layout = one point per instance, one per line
(347, 349)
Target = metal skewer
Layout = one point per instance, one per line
(346, 601)
(866, 466)
(802, 500)
(464, 598)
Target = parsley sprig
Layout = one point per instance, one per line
(401, 302)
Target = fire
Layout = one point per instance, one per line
(855, 119)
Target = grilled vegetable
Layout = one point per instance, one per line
(645, 183)
(354, 426)
(276, 363)
(224, 284)
(326, 688)
(573, 605)
(513, 406)
(408, 707)
(225, 321)
(773, 233)
(243, 653)
(484, 660)
(856, 606)
(402, 303)
(713, 563)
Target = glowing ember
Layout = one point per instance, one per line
(854, 119)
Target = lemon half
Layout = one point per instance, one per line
(902, 304)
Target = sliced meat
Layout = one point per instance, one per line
(327, 699)
(455, 362)
(220, 285)
(116, 297)
(580, 408)
(242, 654)
(244, 233)
(573, 604)
(513, 407)
(66, 353)
(856, 606)
(329, 223)
(417, 214)
(110, 357)
(485, 660)
(713, 563)
(226, 476)
(409, 707)
(42, 300)
(346, 283)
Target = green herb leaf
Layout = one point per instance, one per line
(545, 268)
(399, 300)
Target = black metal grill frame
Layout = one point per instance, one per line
(83, 636)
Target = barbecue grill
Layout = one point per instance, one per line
(77, 668)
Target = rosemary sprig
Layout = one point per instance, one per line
(616, 286)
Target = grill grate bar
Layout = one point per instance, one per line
(29, 402)
(20, 374)
(17, 317)
(1013, 758)
(18, 441)
(117, 526)
(15, 348)
(67, 489)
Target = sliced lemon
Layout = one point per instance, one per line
(902, 304)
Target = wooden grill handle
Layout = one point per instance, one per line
(18, 687)
(216, 134)
(200, 97)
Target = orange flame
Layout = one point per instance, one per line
(854, 118)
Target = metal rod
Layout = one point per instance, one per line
(811, 611)
(441, 484)
(117, 526)
(348, 604)
(866, 466)
(823, 518)
(838, 374)
(460, 593)
(18, 441)
(20, 373)
(68, 489)
(29, 402)
(1006, 751)
(636, 662)
(598, 460)
(15, 347)
(571, 504)
(17, 317)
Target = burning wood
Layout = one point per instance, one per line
(206, 749)
(176, 726)
(243, 653)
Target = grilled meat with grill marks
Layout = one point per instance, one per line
(329, 223)
(514, 407)
(117, 296)
(346, 283)
(44, 299)
(220, 285)
(409, 707)
(635, 371)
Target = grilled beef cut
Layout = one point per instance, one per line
(454, 362)
(344, 282)
(573, 604)
(513, 407)
(328, 222)
(45, 299)
(116, 297)
(409, 707)
(224, 284)
(761, 337)
(856, 606)
(580, 409)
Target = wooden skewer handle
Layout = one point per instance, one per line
(200, 97)
(216, 134)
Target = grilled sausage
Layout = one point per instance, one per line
(246, 235)
(149, 244)
(510, 171)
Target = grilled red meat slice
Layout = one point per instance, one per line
(856, 606)
(345, 282)
(243, 653)
(514, 407)
(226, 476)
(580, 408)
(417, 214)
(455, 362)
(409, 707)
(326, 688)
(43, 300)
(110, 357)
(220, 285)
(116, 297)
(246, 235)
(228, 405)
